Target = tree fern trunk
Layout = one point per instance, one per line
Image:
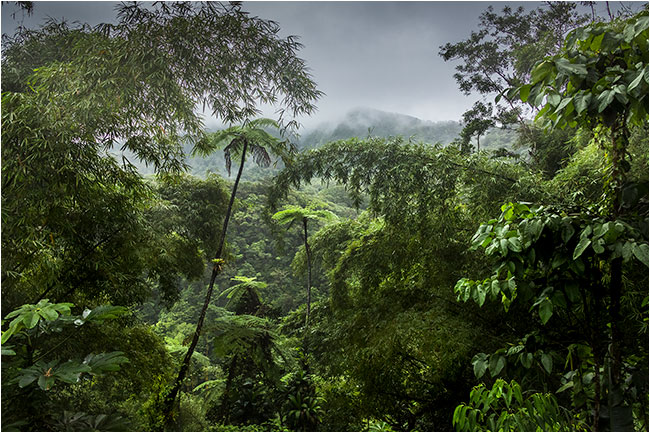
(615, 392)
(225, 399)
(308, 252)
(216, 270)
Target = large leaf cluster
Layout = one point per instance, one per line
(31, 322)
(600, 76)
(255, 136)
(525, 266)
(504, 408)
(501, 54)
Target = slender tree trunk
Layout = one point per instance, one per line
(308, 252)
(216, 270)
(225, 407)
(619, 144)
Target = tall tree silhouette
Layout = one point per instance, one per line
(250, 138)
(293, 214)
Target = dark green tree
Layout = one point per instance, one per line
(598, 82)
(252, 138)
(35, 364)
(476, 123)
(502, 53)
(132, 86)
(244, 297)
(292, 214)
(391, 272)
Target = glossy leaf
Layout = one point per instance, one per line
(545, 310)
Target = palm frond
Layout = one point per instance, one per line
(292, 213)
(240, 334)
(263, 122)
(289, 214)
(260, 156)
(214, 141)
(256, 135)
(246, 285)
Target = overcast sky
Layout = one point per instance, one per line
(382, 55)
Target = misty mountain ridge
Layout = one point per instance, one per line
(361, 123)
(364, 122)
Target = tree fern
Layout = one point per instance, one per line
(291, 214)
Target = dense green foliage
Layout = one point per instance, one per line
(445, 289)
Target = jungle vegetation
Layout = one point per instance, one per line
(368, 283)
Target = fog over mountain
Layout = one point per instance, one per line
(362, 122)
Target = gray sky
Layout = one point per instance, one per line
(382, 55)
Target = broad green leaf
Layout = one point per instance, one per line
(480, 364)
(605, 99)
(49, 314)
(517, 392)
(554, 99)
(481, 295)
(545, 310)
(641, 253)
(635, 83)
(503, 243)
(534, 229)
(512, 285)
(598, 40)
(564, 65)
(515, 349)
(31, 319)
(70, 371)
(567, 232)
(598, 246)
(496, 364)
(627, 250)
(8, 333)
(45, 382)
(495, 288)
(581, 102)
(547, 362)
(515, 244)
(558, 260)
(524, 91)
(526, 359)
(564, 387)
(562, 105)
(581, 247)
(541, 71)
(641, 25)
(26, 380)
(103, 362)
(457, 411)
(106, 312)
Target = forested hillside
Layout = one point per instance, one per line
(364, 122)
(375, 273)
